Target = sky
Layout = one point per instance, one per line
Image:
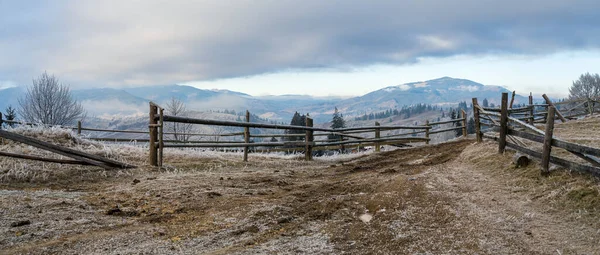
(314, 47)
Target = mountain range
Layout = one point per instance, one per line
(111, 102)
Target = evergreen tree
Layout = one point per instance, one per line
(471, 126)
(10, 114)
(454, 116)
(337, 122)
(485, 103)
(297, 120)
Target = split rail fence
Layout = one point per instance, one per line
(510, 124)
(348, 136)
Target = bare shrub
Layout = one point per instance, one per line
(49, 102)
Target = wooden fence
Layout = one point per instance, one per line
(157, 120)
(348, 137)
(511, 124)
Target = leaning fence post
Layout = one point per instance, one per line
(464, 129)
(550, 104)
(531, 109)
(503, 123)
(309, 139)
(512, 100)
(548, 141)
(79, 127)
(477, 121)
(246, 136)
(153, 135)
(377, 136)
(427, 132)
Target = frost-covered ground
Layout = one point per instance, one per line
(452, 198)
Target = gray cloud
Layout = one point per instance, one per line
(115, 43)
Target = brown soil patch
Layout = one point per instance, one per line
(451, 198)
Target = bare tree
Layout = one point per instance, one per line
(49, 102)
(181, 131)
(587, 86)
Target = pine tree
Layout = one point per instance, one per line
(297, 120)
(454, 116)
(10, 114)
(337, 122)
(485, 102)
(471, 126)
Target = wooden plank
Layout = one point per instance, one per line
(309, 139)
(427, 131)
(161, 144)
(477, 120)
(71, 152)
(464, 115)
(52, 160)
(246, 136)
(531, 109)
(558, 161)
(377, 136)
(50, 147)
(152, 126)
(275, 126)
(547, 145)
(503, 123)
(446, 122)
(114, 131)
(444, 130)
(577, 149)
(560, 116)
(512, 100)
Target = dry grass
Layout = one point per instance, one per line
(451, 198)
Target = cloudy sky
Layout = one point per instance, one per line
(300, 47)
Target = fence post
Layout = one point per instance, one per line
(590, 106)
(342, 147)
(531, 109)
(548, 141)
(377, 136)
(1, 120)
(79, 127)
(246, 136)
(464, 129)
(161, 144)
(503, 123)
(309, 139)
(477, 121)
(427, 132)
(512, 100)
(153, 135)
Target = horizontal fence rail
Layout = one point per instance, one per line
(347, 136)
(520, 125)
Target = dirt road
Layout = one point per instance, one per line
(453, 198)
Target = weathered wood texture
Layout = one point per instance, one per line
(309, 139)
(152, 125)
(246, 136)
(52, 160)
(477, 120)
(503, 123)
(377, 136)
(547, 145)
(560, 116)
(78, 155)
